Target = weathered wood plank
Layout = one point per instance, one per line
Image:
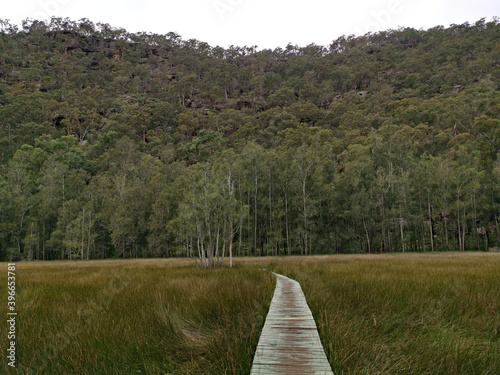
(289, 343)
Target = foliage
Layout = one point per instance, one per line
(115, 144)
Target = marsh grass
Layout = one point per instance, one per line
(377, 314)
(404, 314)
(137, 317)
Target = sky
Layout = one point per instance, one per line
(261, 23)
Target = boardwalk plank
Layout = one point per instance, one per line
(289, 343)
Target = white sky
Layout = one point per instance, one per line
(265, 23)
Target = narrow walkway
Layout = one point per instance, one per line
(289, 343)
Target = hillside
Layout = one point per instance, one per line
(140, 145)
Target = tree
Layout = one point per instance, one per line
(117, 144)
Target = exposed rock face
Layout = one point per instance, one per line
(93, 44)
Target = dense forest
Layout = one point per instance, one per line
(115, 144)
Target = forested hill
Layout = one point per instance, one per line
(138, 145)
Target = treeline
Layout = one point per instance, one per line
(138, 145)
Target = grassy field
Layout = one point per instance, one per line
(136, 317)
(404, 314)
(377, 314)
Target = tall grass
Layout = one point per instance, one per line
(136, 317)
(404, 314)
(377, 314)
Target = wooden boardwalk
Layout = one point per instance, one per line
(289, 343)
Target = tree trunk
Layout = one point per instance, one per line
(464, 223)
(389, 240)
(43, 239)
(82, 245)
(401, 229)
(270, 236)
(476, 231)
(240, 237)
(288, 245)
(458, 222)
(89, 235)
(217, 245)
(430, 223)
(367, 237)
(230, 241)
(497, 226)
(305, 214)
(255, 218)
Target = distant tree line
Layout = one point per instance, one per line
(115, 144)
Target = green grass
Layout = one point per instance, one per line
(404, 314)
(377, 314)
(136, 317)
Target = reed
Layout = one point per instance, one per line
(137, 317)
(404, 314)
(376, 314)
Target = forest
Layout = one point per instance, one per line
(121, 145)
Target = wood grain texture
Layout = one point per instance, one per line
(289, 343)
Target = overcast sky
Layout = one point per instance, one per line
(265, 23)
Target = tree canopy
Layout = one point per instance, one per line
(115, 144)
